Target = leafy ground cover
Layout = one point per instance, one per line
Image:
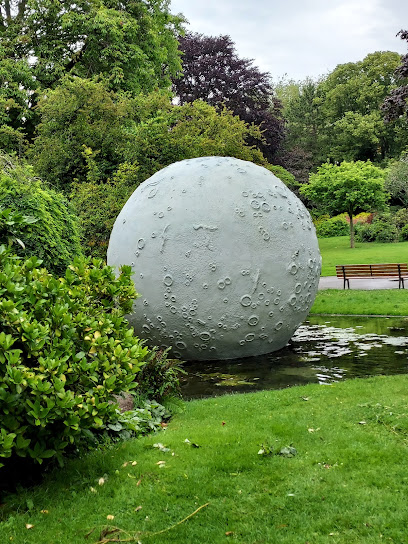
(337, 250)
(359, 302)
(306, 464)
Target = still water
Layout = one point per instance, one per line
(323, 350)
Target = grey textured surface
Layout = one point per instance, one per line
(225, 258)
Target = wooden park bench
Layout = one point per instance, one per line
(392, 270)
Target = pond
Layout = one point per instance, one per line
(325, 349)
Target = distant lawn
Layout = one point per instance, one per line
(359, 302)
(337, 251)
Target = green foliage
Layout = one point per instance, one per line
(83, 132)
(165, 134)
(404, 233)
(144, 419)
(10, 221)
(396, 182)
(332, 226)
(133, 45)
(65, 350)
(382, 229)
(160, 377)
(285, 176)
(98, 205)
(52, 232)
(304, 118)
(401, 217)
(350, 187)
(351, 97)
(339, 117)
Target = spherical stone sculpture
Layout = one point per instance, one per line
(224, 255)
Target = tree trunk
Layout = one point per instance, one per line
(351, 230)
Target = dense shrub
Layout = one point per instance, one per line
(332, 226)
(54, 236)
(404, 233)
(365, 232)
(401, 218)
(99, 204)
(382, 229)
(65, 351)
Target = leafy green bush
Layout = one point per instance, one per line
(65, 351)
(99, 204)
(333, 226)
(10, 222)
(404, 233)
(386, 233)
(382, 229)
(365, 232)
(54, 236)
(401, 218)
(141, 420)
(160, 377)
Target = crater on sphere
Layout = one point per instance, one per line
(224, 255)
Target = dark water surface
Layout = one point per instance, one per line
(323, 350)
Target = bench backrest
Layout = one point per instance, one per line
(366, 270)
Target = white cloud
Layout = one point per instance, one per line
(301, 38)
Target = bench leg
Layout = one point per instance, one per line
(346, 280)
(401, 282)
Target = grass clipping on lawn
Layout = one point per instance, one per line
(306, 464)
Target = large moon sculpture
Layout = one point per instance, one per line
(224, 255)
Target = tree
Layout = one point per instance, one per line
(132, 43)
(350, 187)
(83, 131)
(213, 72)
(339, 117)
(304, 121)
(396, 103)
(351, 97)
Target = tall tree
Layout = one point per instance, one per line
(304, 120)
(396, 103)
(133, 43)
(351, 98)
(339, 117)
(351, 187)
(213, 72)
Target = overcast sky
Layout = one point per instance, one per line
(300, 38)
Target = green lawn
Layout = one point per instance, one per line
(337, 251)
(359, 302)
(346, 484)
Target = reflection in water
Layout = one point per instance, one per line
(323, 350)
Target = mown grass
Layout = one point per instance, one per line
(337, 250)
(359, 302)
(347, 483)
